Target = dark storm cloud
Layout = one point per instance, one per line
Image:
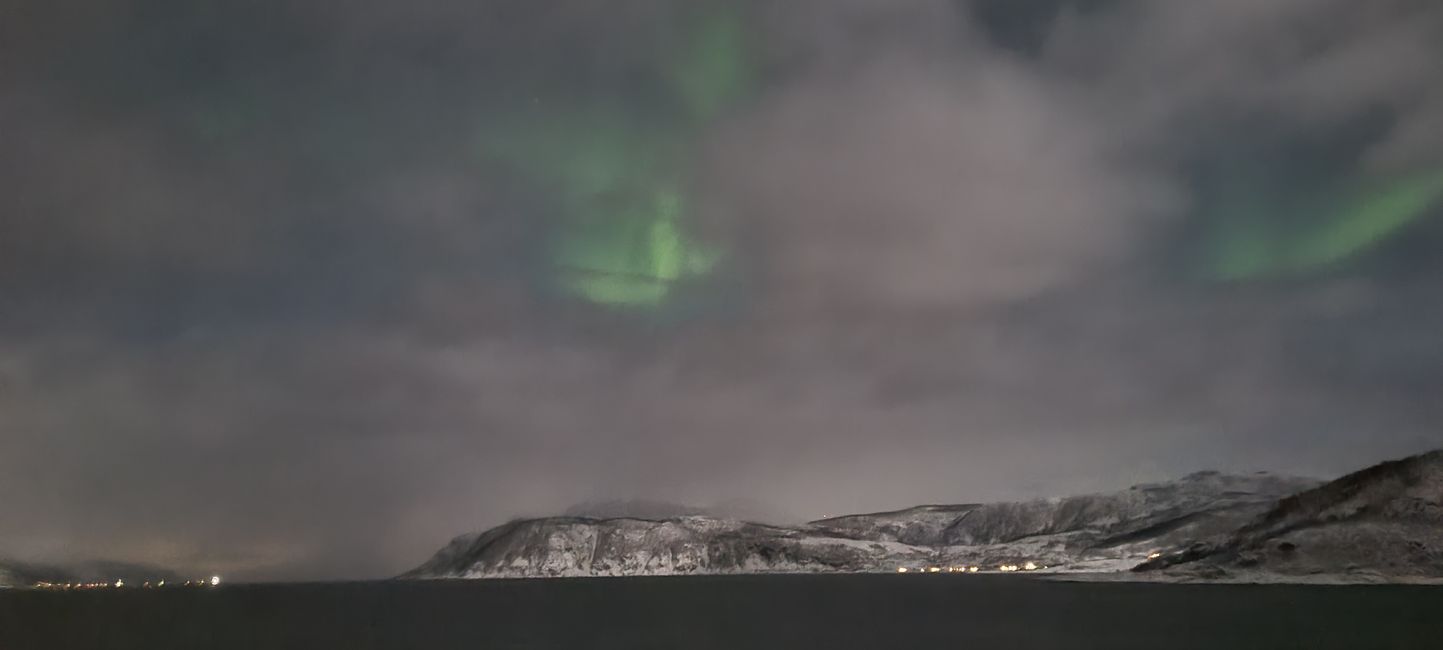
(265, 311)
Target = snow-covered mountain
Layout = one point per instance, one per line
(1108, 531)
(1384, 522)
(564, 546)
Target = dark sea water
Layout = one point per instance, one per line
(831, 612)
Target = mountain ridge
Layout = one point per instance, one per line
(1380, 523)
(1102, 531)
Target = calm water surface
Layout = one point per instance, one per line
(833, 612)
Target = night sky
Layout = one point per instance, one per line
(300, 289)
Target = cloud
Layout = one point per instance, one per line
(914, 183)
(1178, 68)
(273, 315)
(112, 194)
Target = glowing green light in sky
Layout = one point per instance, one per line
(1252, 241)
(1367, 220)
(637, 259)
(716, 69)
(615, 172)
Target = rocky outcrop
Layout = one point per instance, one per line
(562, 547)
(1384, 522)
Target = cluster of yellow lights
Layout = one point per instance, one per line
(211, 581)
(1005, 568)
(1026, 566)
(80, 585)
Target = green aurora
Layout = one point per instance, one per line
(618, 175)
(1259, 238)
(615, 172)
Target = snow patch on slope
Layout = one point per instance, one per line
(1084, 533)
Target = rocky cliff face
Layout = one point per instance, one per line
(1384, 522)
(560, 546)
(1109, 531)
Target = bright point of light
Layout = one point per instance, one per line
(972, 569)
(1029, 567)
(901, 569)
(1154, 556)
(214, 580)
(120, 583)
